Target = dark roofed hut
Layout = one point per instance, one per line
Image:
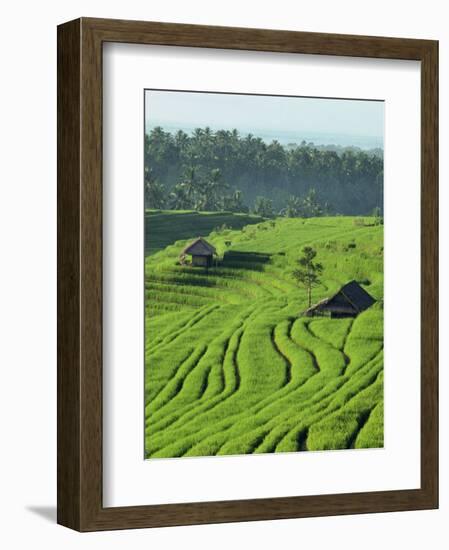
(349, 301)
(201, 251)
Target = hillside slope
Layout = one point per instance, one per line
(232, 369)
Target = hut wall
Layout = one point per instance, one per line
(343, 314)
(335, 311)
(202, 261)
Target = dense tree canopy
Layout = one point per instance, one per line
(223, 170)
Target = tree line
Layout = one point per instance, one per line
(224, 170)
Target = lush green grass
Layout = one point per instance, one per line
(231, 367)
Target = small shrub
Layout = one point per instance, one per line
(349, 246)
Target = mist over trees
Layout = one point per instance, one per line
(223, 170)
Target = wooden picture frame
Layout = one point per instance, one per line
(80, 504)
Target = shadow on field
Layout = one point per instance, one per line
(254, 261)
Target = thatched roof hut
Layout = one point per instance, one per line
(349, 301)
(201, 251)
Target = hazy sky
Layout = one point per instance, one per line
(250, 113)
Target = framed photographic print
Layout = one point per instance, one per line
(247, 287)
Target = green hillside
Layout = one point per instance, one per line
(164, 227)
(231, 366)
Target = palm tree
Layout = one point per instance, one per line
(210, 196)
(181, 140)
(190, 184)
(154, 191)
(237, 202)
(264, 207)
(310, 205)
(293, 208)
(216, 185)
(178, 198)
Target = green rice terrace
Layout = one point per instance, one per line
(231, 365)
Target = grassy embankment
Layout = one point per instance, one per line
(230, 367)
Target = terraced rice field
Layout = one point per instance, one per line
(232, 368)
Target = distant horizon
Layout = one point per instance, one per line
(319, 139)
(324, 122)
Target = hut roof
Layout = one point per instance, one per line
(357, 295)
(199, 247)
(354, 294)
